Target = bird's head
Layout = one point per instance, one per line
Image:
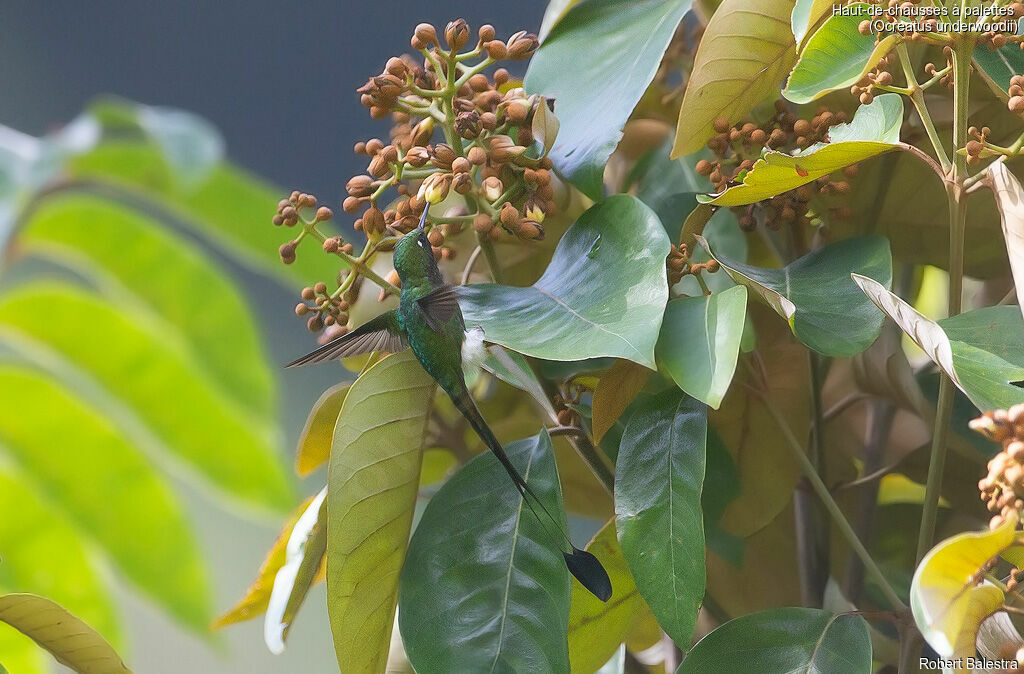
(413, 252)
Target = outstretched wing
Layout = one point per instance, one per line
(380, 334)
(438, 306)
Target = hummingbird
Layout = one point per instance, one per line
(429, 321)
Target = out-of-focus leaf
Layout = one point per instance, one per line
(602, 295)
(982, 351)
(744, 55)
(190, 143)
(304, 555)
(596, 628)
(484, 587)
(513, 369)
(836, 56)
(615, 391)
(20, 654)
(231, 208)
(1010, 201)
(825, 309)
(69, 639)
(160, 383)
(41, 552)
(437, 463)
(88, 468)
(949, 596)
(372, 485)
(767, 471)
(659, 474)
(257, 596)
(700, 341)
(784, 640)
(806, 14)
(318, 433)
(596, 63)
(172, 278)
(874, 129)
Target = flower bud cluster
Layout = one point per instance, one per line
(678, 264)
(1003, 488)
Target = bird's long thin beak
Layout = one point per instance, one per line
(423, 218)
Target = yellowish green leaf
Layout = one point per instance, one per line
(806, 15)
(615, 390)
(318, 433)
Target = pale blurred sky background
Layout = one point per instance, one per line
(278, 80)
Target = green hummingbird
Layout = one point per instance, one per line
(428, 320)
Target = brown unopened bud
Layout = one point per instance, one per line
(486, 33)
(1016, 104)
(443, 156)
(509, 217)
(461, 165)
(468, 124)
(373, 220)
(504, 149)
(456, 34)
(476, 155)
(462, 183)
(378, 167)
(287, 252)
(529, 230)
(373, 146)
(426, 34)
(323, 214)
(417, 156)
(493, 188)
(331, 244)
(482, 223)
(396, 66)
(496, 49)
(517, 110)
(436, 238)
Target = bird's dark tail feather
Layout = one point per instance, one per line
(581, 564)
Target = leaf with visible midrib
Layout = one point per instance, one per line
(603, 294)
(67, 638)
(659, 474)
(484, 586)
(746, 51)
(371, 494)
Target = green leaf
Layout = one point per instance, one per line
(596, 628)
(596, 63)
(153, 376)
(603, 293)
(825, 309)
(1010, 200)
(1000, 65)
(982, 351)
(744, 55)
(836, 56)
(513, 369)
(372, 485)
(554, 12)
(191, 144)
(131, 255)
(806, 15)
(700, 342)
(948, 603)
(484, 587)
(658, 478)
(70, 640)
(230, 208)
(42, 553)
(318, 433)
(106, 487)
(874, 129)
(784, 640)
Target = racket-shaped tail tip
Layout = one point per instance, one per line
(588, 570)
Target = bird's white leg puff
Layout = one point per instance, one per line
(473, 352)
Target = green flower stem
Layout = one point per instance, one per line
(487, 246)
(831, 506)
(917, 96)
(962, 53)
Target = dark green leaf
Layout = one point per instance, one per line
(803, 640)
(825, 308)
(602, 295)
(658, 479)
(484, 587)
(700, 342)
(596, 63)
(106, 487)
(1000, 65)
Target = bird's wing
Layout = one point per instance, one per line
(380, 334)
(438, 306)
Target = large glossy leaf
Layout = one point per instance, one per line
(41, 552)
(982, 351)
(318, 433)
(602, 295)
(69, 639)
(825, 308)
(1010, 201)
(596, 628)
(836, 56)
(153, 376)
(874, 129)
(806, 14)
(615, 390)
(700, 341)
(805, 640)
(484, 586)
(949, 596)
(744, 55)
(1000, 65)
(230, 207)
(371, 493)
(86, 466)
(596, 63)
(659, 474)
(173, 279)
